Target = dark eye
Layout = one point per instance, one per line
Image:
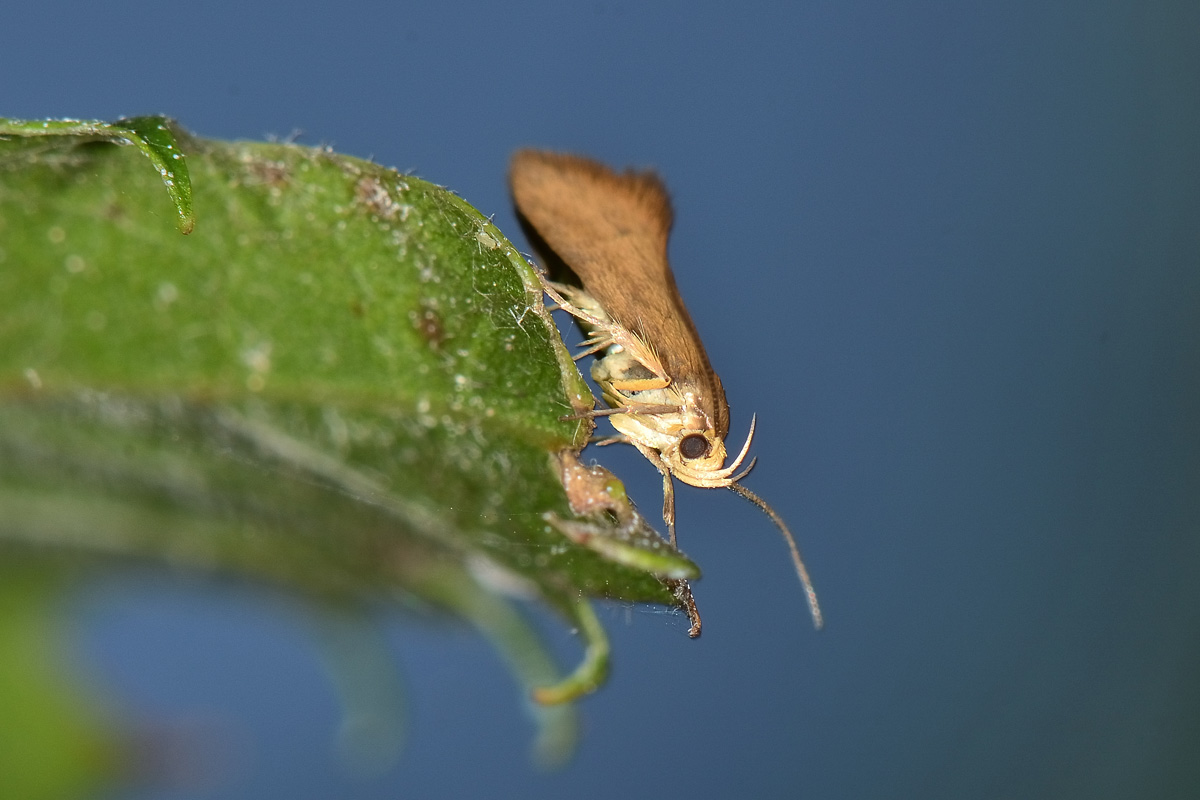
(694, 446)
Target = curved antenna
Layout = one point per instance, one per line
(801, 570)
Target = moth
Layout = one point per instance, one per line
(663, 396)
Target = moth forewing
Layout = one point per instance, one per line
(611, 229)
(664, 397)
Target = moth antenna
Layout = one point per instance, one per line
(801, 570)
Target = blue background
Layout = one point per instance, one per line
(949, 252)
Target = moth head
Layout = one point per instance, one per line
(697, 457)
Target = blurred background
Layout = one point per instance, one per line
(949, 253)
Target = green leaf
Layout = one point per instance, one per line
(154, 136)
(343, 382)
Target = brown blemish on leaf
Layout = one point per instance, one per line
(114, 211)
(370, 192)
(273, 174)
(592, 490)
(428, 323)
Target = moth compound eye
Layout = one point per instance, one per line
(693, 446)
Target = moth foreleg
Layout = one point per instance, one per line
(668, 487)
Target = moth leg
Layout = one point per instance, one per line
(606, 412)
(554, 291)
(606, 330)
(669, 504)
(601, 441)
(560, 290)
(668, 487)
(593, 346)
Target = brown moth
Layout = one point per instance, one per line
(664, 398)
